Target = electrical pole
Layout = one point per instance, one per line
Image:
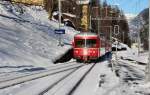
(90, 23)
(59, 5)
(98, 28)
(116, 32)
(148, 64)
(59, 8)
(98, 17)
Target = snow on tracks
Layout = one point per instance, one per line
(61, 83)
(69, 85)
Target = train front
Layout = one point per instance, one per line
(86, 47)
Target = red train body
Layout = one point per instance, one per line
(86, 46)
(89, 46)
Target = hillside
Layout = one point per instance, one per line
(140, 23)
(27, 36)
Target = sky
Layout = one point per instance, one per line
(130, 6)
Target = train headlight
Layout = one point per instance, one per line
(90, 51)
(94, 52)
(85, 52)
(76, 51)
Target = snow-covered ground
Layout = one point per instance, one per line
(132, 54)
(127, 79)
(28, 43)
(130, 67)
(27, 37)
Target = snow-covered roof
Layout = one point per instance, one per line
(67, 14)
(66, 19)
(83, 1)
(70, 15)
(55, 13)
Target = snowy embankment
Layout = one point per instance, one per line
(27, 37)
(132, 54)
(132, 72)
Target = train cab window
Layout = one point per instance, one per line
(90, 43)
(80, 43)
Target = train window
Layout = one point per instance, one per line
(90, 43)
(80, 43)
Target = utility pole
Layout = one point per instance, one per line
(116, 32)
(123, 36)
(59, 8)
(98, 21)
(148, 64)
(98, 27)
(90, 24)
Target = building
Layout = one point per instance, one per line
(47, 4)
(78, 12)
(71, 11)
(30, 2)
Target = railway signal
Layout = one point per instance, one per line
(116, 33)
(116, 30)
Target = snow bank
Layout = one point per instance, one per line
(132, 54)
(27, 36)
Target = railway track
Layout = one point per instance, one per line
(129, 63)
(29, 77)
(15, 74)
(60, 80)
(129, 73)
(69, 84)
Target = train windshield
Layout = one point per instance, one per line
(89, 43)
(80, 43)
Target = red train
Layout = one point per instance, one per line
(88, 46)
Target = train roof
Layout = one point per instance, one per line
(84, 34)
